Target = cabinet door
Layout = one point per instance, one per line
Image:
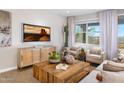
(26, 56)
(36, 55)
(44, 54)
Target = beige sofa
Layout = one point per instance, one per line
(108, 76)
(95, 55)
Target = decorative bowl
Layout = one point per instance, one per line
(54, 61)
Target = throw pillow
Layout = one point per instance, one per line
(70, 59)
(121, 56)
(108, 67)
(115, 64)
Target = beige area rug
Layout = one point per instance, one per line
(24, 75)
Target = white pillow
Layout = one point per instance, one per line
(121, 56)
(121, 51)
(112, 77)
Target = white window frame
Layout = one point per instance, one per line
(86, 22)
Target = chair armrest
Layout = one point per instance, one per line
(87, 51)
(115, 59)
(103, 55)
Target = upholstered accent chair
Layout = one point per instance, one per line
(95, 55)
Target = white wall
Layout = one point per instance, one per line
(86, 17)
(8, 56)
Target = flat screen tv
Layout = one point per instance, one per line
(32, 33)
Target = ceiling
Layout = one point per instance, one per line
(71, 12)
(62, 12)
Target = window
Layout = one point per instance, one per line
(80, 33)
(121, 32)
(87, 33)
(93, 33)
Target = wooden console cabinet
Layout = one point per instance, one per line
(31, 55)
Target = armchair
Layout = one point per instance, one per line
(95, 55)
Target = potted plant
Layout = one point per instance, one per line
(54, 57)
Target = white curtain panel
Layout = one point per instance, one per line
(108, 24)
(71, 28)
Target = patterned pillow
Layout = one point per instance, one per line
(121, 56)
(70, 59)
(121, 51)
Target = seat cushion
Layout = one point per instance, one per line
(112, 77)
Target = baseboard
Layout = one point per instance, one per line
(8, 69)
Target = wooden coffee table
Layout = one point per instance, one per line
(47, 73)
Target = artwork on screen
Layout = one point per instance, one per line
(5, 29)
(32, 33)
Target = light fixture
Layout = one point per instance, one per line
(67, 11)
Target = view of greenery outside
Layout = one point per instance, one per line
(121, 32)
(80, 33)
(93, 33)
(90, 34)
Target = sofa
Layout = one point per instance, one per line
(95, 55)
(108, 76)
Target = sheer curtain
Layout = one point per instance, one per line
(71, 27)
(108, 24)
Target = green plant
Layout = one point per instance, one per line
(54, 55)
(82, 49)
